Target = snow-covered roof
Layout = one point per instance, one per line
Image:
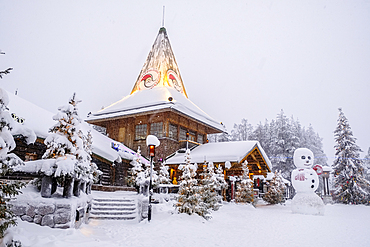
(157, 98)
(220, 152)
(41, 120)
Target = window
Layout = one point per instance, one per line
(140, 132)
(156, 129)
(200, 139)
(182, 134)
(30, 156)
(192, 136)
(172, 131)
(121, 134)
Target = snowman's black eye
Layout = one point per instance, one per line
(309, 157)
(303, 157)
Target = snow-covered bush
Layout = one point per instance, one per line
(276, 190)
(244, 192)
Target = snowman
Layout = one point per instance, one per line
(305, 181)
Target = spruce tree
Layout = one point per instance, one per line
(350, 184)
(163, 176)
(136, 168)
(208, 188)
(8, 189)
(276, 190)
(220, 180)
(93, 173)
(244, 192)
(367, 164)
(188, 199)
(65, 144)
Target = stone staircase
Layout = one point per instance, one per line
(114, 209)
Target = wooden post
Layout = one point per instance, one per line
(46, 186)
(54, 185)
(68, 187)
(76, 187)
(83, 187)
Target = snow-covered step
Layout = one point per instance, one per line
(114, 209)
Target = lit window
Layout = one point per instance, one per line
(30, 156)
(192, 136)
(140, 132)
(156, 129)
(172, 131)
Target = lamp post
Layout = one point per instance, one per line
(152, 142)
(187, 140)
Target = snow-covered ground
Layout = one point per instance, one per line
(233, 225)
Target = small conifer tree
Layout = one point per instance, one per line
(136, 168)
(188, 199)
(163, 176)
(208, 188)
(276, 190)
(244, 192)
(220, 179)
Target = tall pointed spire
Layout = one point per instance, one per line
(160, 68)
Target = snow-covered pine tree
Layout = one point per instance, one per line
(93, 172)
(242, 131)
(8, 189)
(350, 184)
(83, 166)
(244, 192)
(208, 189)
(367, 164)
(135, 169)
(188, 199)
(276, 190)
(285, 145)
(163, 176)
(220, 180)
(62, 144)
(143, 177)
(313, 142)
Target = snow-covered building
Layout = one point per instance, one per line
(157, 105)
(111, 157)
(229, 155)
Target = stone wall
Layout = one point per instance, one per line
(55, 213)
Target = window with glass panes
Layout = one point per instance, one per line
(156, 129)
(200, 139)
(172, 131)
(140, 131)
(182, 135)
(192, 136)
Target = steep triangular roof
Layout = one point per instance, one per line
(159, 86)
(160, 68)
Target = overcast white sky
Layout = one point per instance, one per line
(238, 59)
